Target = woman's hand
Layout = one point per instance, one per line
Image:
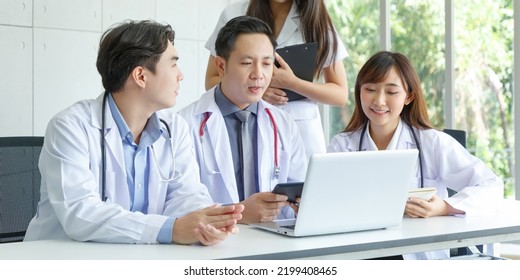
(275, 96)
(421, 208)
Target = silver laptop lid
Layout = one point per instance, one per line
(355, 191)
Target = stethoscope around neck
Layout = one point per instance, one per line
(417, 143)
(276, 171)
(162, 177)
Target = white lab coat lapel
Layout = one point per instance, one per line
(289, 28)
(265, 158)
(218, 137)
(115, 165)
(156, 188)
(353, 145)
(406, 140)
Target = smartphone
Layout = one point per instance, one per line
(291, 190)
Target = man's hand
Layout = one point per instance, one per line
(209, 226)
(262, 207)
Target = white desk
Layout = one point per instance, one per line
(414, 235)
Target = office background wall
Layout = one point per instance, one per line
(48, 51)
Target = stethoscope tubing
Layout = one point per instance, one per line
(275, 132)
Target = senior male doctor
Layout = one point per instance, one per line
(114, 170)
(245, 61)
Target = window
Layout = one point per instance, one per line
(482, 77)
(484, 81)
(357, 23)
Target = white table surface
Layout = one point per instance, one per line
(414, 235)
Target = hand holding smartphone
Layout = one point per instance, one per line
(291, 190)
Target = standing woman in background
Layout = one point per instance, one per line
(296, 22)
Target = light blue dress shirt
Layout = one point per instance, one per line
(137, 164)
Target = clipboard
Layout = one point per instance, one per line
(302, 60)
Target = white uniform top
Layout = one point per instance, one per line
(305, 111)
(70, 163)
(446, 164)
(213, 149)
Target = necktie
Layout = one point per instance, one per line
(247, 157)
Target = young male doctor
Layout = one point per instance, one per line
(115, 171)
(235, 168)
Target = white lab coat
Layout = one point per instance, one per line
(70, 165)
(217, 149)
(446, 163)
(305, 112)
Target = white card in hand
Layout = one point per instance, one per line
(424, 193)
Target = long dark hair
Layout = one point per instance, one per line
(376, 70)
(128, 45)
(315, 23)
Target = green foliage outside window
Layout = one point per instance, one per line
(483, 65)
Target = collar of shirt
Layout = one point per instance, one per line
(227, 107)
(136, 156)
(393, 142)
(395, 138)
(151, 132)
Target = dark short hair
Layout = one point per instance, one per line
(229, 33)
(128, 45)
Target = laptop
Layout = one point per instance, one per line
(302, 60)
(347, 192)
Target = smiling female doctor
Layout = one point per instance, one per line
(245, 62)
(112, 170)
(390, 114)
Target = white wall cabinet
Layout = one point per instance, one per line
(82, 15)
(16, 12)
(188, 63)
(209, 12)
(115, 11)
(16, 105)
(64, 72)
(186, 23)
(49, 49)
